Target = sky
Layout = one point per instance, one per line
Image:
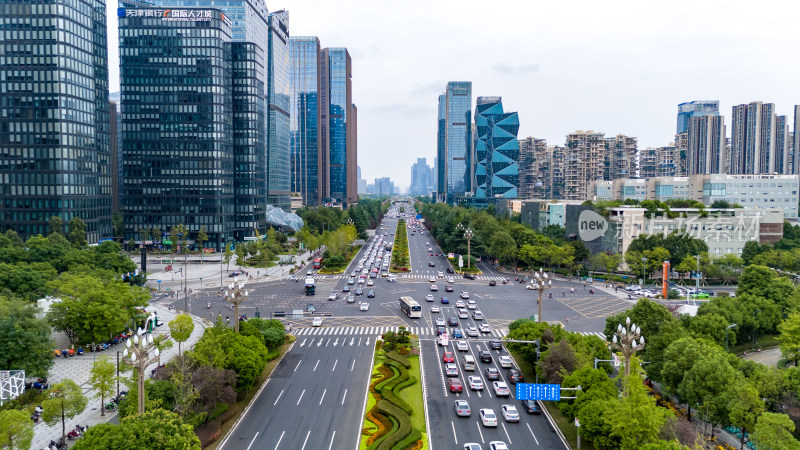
(619, 67)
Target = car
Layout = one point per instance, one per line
(334, 296)
(440, 331)
(445, 301)
(462, 407)
(429, 298)
(701, 295)
(371, 294)
(485, 356)
(501, 389)
(472, 446)
(497, 445)
(463, 314)
(509, 413)
(432, 279)
(440, 274)
(346, 288)
(359, 291)
(492, 374)
(462, 346)
(514, 376)
(351, 299)
(505, 361)
(532, 286)
(448, 288)
(471, 304)
(465, 295)
(450, 270)
(430, 249)
(457, 333)
(476, 315)
(434, 288)
(361, 280)
(472, 331)
(492, 283)
(440, 322)
(448, 357)
(469, 276)
(317, 322)
(435, 309)
(633, 287)
(364, 306)
(353, 273)
(496, 345)
(451, 370)
(454, 385)
(488, 418)
(485, 328)
(460, 304)
(531, 407)
(371, 282)
(475, 383)
(431, 264)
(311, 308)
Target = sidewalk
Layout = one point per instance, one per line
(78, 369)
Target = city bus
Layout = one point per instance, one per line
(410, 306)
(317, 263)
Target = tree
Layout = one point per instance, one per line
(56, 225)
(24, 339)
(594, 427)
(118, 223)
(558, 362)
(636, 419)
(102, 379)
(178, 233)
(214, 386)
(185, 392)
(745, 408)
(181, 328)
(751, 250)
(226, 256)
(790, 337)
(595, 384)
(77, 232)
(64, 400)
(16, 429)
(719, 203)
(503, 247)
(158, 428)
(202, 238)
(773, 431)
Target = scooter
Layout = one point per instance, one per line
(111, 406)
(208, 305)
(74, 434)
(80, 350)
(591, 291)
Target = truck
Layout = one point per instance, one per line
(311, 286)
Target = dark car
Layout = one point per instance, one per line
(431, 264)
(359, 291)
(492, 283)
(452, 321)
(469, 276)
(514, 376)
(346, 288)
(486, 356)
(445, 300)
(450, 270)
(496, 345)
(371, 294)
(441, 330)
(492, 374)
(531, 407)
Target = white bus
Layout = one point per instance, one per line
(410, 306)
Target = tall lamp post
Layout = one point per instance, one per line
(726, 334)
(137, 355)
(543, 282)
(644, 271)
(236, 294)
(625, 340)
(468, 235)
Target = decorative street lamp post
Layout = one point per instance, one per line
(468, 235)
(543, 282)
(236, 294)
(726, 334)
(136, 354)
(644, 272)
(625, 340)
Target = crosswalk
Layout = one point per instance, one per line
(593, 333)
(377, 331)
(405, 276)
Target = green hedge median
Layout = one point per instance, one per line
(403, 419)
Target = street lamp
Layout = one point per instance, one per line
(644, 271)
(468, 235)
(543, 282)
(136, 354)
(726, 334)
(625, 340)
(236, 294)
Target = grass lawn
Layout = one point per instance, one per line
(413, 396)
(765, 341)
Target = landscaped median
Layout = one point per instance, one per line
(401, 259)
(395, 415)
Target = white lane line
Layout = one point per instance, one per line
(306, 440)
(279, 440)
(506, 431)
(344, 396)
(455, 436)
(333, 436)
(477, 424)
(323, 397)
(254, 439)
(301, 396)
(315, 366)
(298, 365)
(334, 365)
(534, 436)
(353, 365)
(279, 397)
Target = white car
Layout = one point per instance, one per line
(488, 417)
(460, 304)
(501, 389)
(429, 297)
(435, 309)
(465, 295)
(485, 328)
(477, 315)
(434, 287)
(432, 279)
(472, 305)
(317, 322)
(451, 280)
(475, 383)
(510, 413)
(472, 332)
(497, 445)
(462, 346)
(365, 306)
(463, 314)
(440, 274)
(371, 282)
(505, 361)
(440, 322)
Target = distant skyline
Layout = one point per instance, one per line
(619, 67)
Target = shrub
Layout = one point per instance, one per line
(399, 358)
(403, 420)
(414, 438)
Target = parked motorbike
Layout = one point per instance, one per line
(74, 434)
(111, 406)
(80, 350)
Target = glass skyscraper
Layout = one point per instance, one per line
(339, 133)
(455, 171)
(497, 149)
(304, 107)
(278, 93)
(54, 120)
(696, 108)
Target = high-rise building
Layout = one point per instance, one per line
(659, 162)
(305, 118)
(420, 177)
(796, 142)
(696, 108)
(278, 93)
(535, 168)
(705, 153)
(497, 150)
(585, 158)
(384, 187)
(455, 141)
(753, 139)
(54, 125)
(623, 157)
(782, 146)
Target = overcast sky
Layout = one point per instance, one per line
(620, 67)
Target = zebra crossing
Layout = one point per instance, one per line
(376, 331)
(427, 277)
(593, 333)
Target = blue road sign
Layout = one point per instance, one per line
(530, 391)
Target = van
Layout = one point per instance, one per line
(468, 362)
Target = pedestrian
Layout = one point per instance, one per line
(227, 320)
(584, 287)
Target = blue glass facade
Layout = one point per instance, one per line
(304, 113)
(696, 108)
(54, 116)
(441, 149)
(339, 128)
(456, 171)
(496, 150)
(278, 93)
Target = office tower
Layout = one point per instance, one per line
(696, 108)
(782, 161)
(419, 178)
(337, 138)
(796, 142)
(113, 159)
(352, 156)
(705, 153)
(278, 93)
(441, 151)
(54, 126)
(753, 139)
(455, 140)
(304, 107)
(384, 187)
(584, 161)
(497, 150)
(622, 157)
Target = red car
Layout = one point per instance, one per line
(447, 357)
(454, 384)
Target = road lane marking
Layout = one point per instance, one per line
(315, 366)
(534, 436)
(303, 343)
(301, 396)
(329, 341)
(506, 431)
(254, 439)
(478, 424)
(334, 365)
(344, 396)
(306, 440)
(331, 445)
(359, 341)
(323, 397)
(279, 397)
(298, 365)
(279, 440)
(353, 365)
(455, 436)
(336, 343)
(319, 343)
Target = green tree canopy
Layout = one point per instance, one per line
(773, 431)
(64, 400)
(24, 339)
(16, 429)
(103, 378)
(181, 328)
(159, 429)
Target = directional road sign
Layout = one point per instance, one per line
(530, 391)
